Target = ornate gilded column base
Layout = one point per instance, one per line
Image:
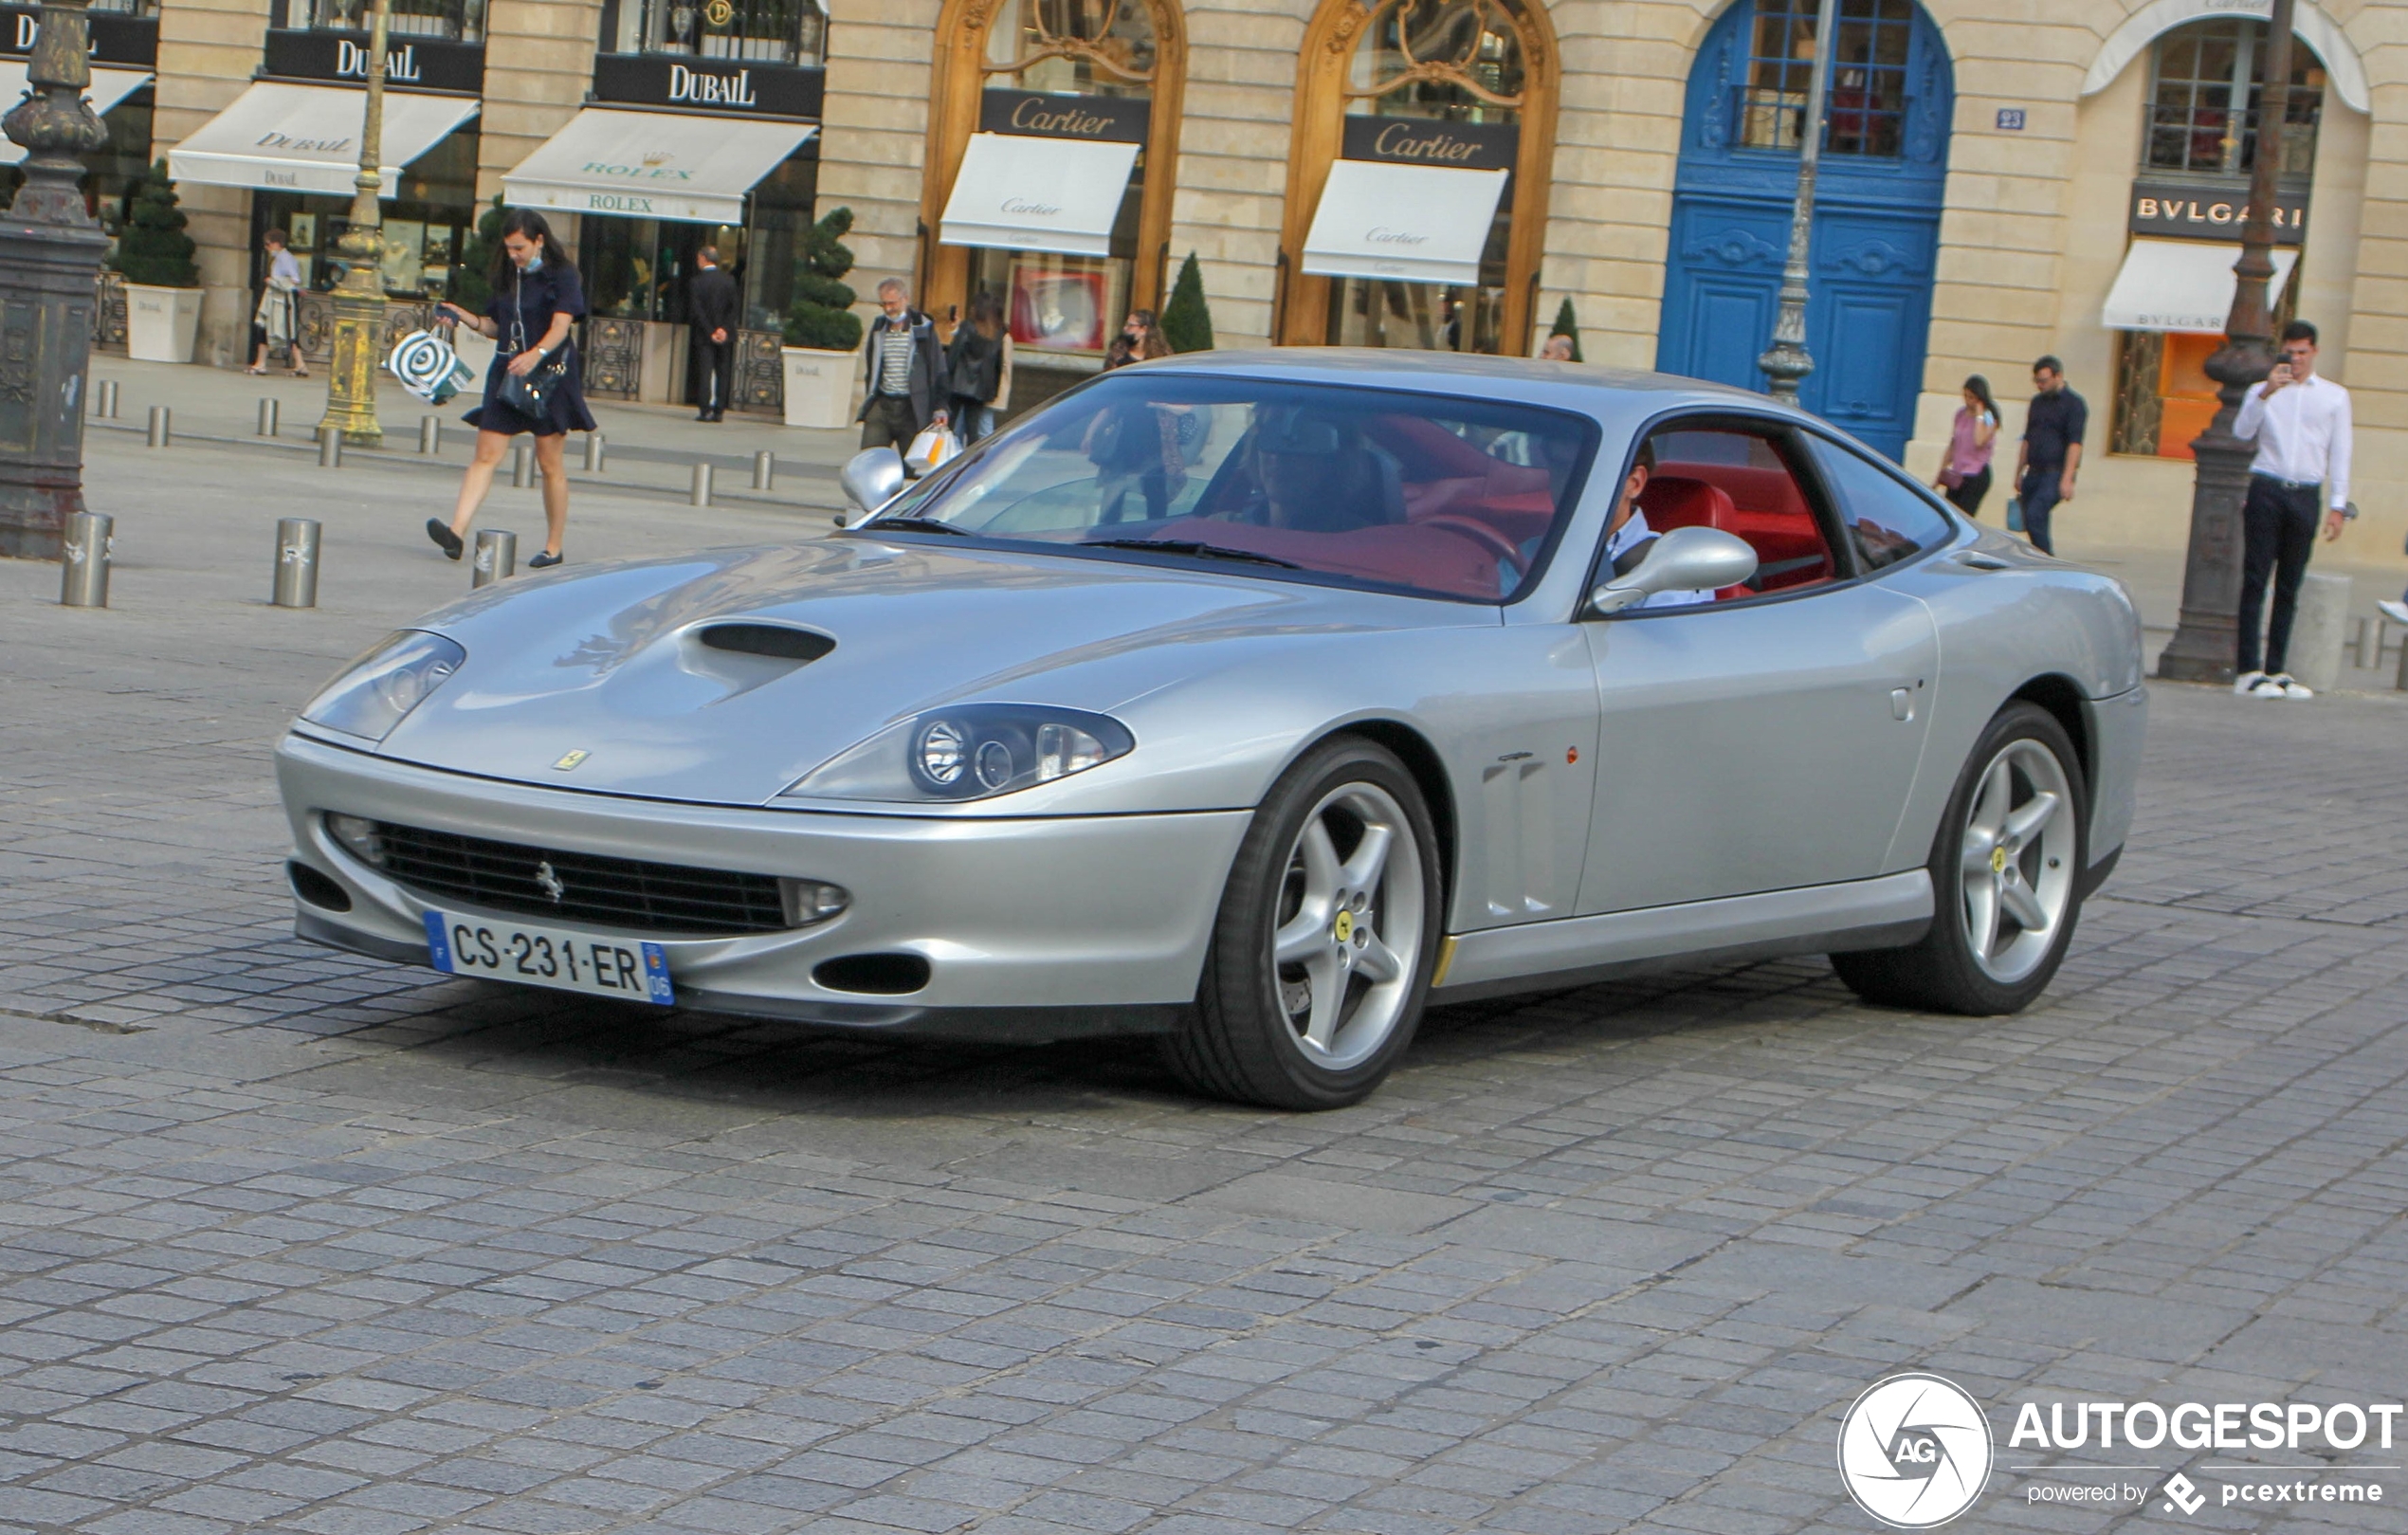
(358, 350)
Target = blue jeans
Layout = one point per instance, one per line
(2039, 495)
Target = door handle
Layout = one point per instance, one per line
(1902, 703)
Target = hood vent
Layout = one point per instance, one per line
(776, 642)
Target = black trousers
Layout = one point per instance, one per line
(889, 421)
(2278, 533)
(714, 376)
(1967, 494)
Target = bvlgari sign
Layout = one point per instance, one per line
(1458, 146)
(1045, 115)
(2208, 210)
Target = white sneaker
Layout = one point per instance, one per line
(2263, 686)
(2246, 684)
(2396, 611)
(2291, 688)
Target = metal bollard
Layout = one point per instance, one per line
(270, 417)
(330, 448)
(765, 471)
(105, 399)
(522, 465)
(296, 584)
(496, 557)
(431, 434)
(702, 496)
(160, 426)
(593, 452)
(2316, 632)
(84, 580)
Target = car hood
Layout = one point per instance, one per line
(608, 679)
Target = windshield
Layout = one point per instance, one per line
(1423, 493)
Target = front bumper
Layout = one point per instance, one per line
(1032, 930)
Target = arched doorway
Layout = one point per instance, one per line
(1444, 88)
(1041, 92)
(1885, 165)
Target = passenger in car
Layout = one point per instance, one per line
(1628, 537)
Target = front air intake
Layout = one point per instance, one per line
(779, 642)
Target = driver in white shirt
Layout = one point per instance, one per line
(1628, 537)
(2301, 423)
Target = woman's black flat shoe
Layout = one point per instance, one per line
(444, 538)
(542, 562)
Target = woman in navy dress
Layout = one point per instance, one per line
(536, 301)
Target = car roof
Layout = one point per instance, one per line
(1616, 398)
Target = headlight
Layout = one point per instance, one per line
(974, 752)
(377, 691)
(358, 837)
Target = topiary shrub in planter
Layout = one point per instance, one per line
(162, 286)
(1187, 321)
(822, 332)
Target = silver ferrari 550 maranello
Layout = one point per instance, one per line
(1256, 701)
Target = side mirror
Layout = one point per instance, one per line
(872, 478)
(1684, 559)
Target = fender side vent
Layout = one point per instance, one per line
(776, 641)
(874, 974)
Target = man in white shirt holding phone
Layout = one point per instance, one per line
(2300, 424)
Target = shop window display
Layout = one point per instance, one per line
(1868, 92)
(454, 21)
(761, 31)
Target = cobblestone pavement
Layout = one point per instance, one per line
(295, 1241)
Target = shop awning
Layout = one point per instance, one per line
(692, 170)
(109, 87)
(279, 137)
(1407, 223)
(2183, 286)
(1019, 192)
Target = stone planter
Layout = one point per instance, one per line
(160, 322)
(819, 386)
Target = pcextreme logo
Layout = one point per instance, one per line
(1914, 1450)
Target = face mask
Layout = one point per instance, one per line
(535, 263)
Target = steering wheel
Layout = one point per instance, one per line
(1508, 552)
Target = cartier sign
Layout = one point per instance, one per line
(2209, 211)
(1045, 115)
(1460, 146)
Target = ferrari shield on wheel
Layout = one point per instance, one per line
(1321, 958)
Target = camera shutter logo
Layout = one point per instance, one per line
(1914, 1450)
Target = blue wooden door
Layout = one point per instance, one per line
(1876, 229)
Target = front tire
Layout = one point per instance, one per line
(1328, 931)
(2006, 879)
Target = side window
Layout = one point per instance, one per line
(1741, 480)
(1887, 521)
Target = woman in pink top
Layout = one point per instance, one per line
(1964, 474)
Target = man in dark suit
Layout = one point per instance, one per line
(906, 383)
(712, 306)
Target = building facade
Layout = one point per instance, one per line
(2060, 176)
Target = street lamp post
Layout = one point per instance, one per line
(1786, 363)
(2203, 647)
(359, 298)
(50, 257)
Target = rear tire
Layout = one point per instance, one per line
(1328, 931)
(2006, 879)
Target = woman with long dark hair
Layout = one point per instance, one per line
(1140, 340)
(979, 366)
(1964, 473)
(533, 385)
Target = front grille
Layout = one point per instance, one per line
(617, 892)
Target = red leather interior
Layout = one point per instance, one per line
(1762, 506)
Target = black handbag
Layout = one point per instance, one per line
(530, 393)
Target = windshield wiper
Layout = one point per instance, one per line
(912, 524)
(1191, 547)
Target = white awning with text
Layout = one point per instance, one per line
(109, 87)
(281, 138)
(1407, 223)
(2183, 286)
(1022, 192)
(691, 170)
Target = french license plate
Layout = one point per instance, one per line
(554, 956)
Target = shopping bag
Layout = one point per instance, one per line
(428, 368)
(2014, 514)
(933, 446)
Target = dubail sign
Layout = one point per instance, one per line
(1916, 1452)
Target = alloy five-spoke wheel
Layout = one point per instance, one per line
(1328, 931)
(2006, 878)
